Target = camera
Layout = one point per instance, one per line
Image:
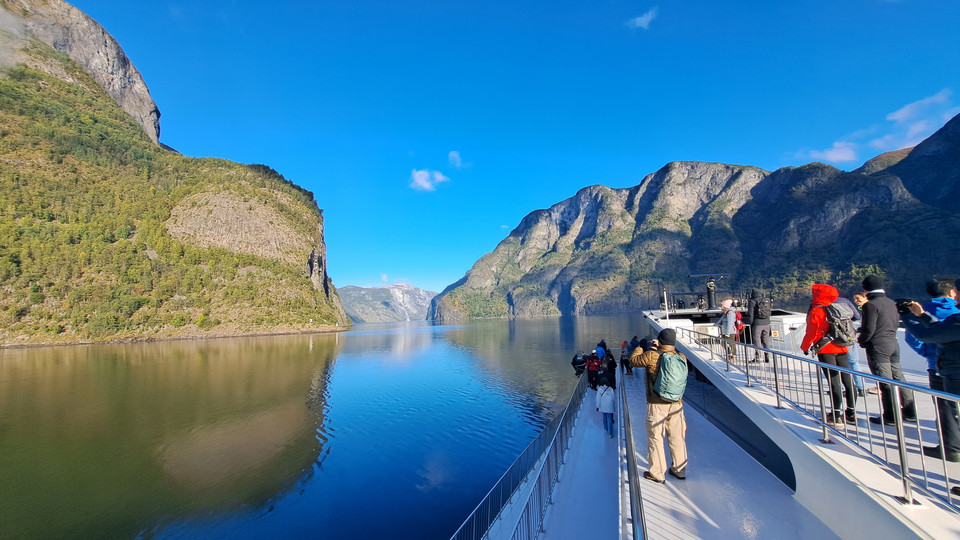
(903, 304)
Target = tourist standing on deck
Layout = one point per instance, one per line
(940, 308)
(728, 327)
(593, 370)
(625, 351)
(878, 337)
(830, 353)
(605, 405)
(663, 415)
(853, 356)
(608, 369)
(759, 311)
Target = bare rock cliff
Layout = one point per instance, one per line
(610, 250)
(70, 31)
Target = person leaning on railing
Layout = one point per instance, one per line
(829, 354)
(945, 334)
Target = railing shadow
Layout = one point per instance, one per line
(799, 382)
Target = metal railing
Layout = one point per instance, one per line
(638, 526)
(800, 382)
(550, 445)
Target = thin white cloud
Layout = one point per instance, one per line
(906, 127)
(455, 159)
(644, 20)
(840, 152)
(384, 278)
(916, 121)
(426, 180)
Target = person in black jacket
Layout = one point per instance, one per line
(878, 337)
(758, 314)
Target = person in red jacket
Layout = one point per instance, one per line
(593, 369)
(834, 355)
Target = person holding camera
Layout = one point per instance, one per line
(933, 325)
(878, 337)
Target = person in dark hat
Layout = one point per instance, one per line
(664, 416)
(878, 337)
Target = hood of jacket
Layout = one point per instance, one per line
(756, 293)
(942, 307)
(824, 295)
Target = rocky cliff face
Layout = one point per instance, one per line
(386, 304)
(70, 31)
(139, 242)
(612, 250)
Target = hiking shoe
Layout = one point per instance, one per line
(887, 421)
(859, 392)
(955, 490)
(850, 416)
(677, 475)
(648, 476)
(834, 418)
(937, 452)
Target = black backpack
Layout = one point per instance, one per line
(841, 331)
(763, 309)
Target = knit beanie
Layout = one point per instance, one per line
(667, 336)
(872, 283)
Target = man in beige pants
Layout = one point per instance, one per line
(663, 416)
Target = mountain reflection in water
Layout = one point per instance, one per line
(383, 431)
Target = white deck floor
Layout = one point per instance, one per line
(727, 494)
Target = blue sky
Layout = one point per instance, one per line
(427, 130)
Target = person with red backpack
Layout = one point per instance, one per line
(819, 318)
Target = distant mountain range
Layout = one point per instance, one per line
(385, 304)
(609, 250)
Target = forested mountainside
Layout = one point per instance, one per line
(105, 234)
(399, 302)
(611, 250)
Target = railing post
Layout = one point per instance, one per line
(776, 382)
(823, 413)
(902, 448)
(737, 347)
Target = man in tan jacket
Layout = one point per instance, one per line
(663, 416)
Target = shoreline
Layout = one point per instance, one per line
(153, 339)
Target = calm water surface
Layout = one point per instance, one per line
(386, 431)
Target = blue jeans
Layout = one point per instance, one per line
(609, 423)
(854, 360)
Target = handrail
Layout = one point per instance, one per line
(489, 509)
(638, 529)
(798, 381)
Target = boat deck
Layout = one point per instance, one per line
(727, 493)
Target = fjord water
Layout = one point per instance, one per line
(384, 431)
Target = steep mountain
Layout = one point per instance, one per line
(106, 235)
(613, 250)
(931, 172)
(72, 32)
(399, 302)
